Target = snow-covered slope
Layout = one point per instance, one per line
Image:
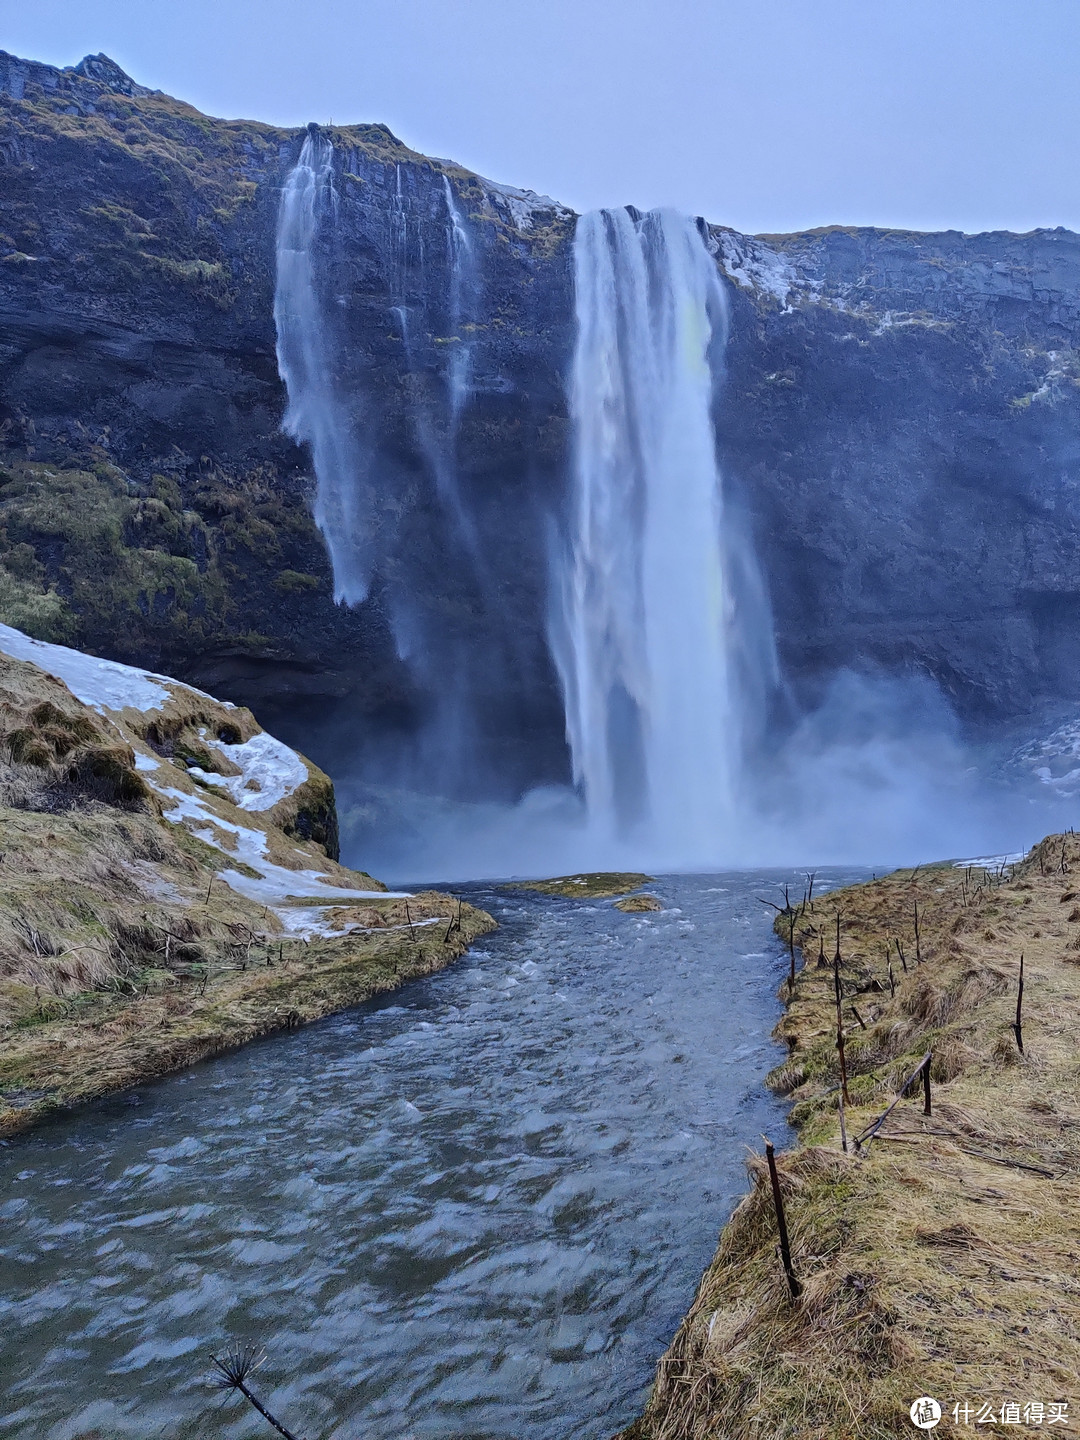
(215, 772)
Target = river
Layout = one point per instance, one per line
(475, 1209)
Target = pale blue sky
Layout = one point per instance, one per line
(765, 114)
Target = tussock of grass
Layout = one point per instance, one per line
(149, 1019)
(637, 904)
(941, 1259)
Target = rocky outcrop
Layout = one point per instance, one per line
(899, 421)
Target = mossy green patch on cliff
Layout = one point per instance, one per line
(80, 551)
(151, 570)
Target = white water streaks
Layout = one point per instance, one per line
(314, 413)
(660, 632)
(462, 259)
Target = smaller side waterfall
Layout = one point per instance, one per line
(314, 414)
(660, 632)
(462, 284)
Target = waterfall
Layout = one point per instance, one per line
(314, 414)
(660, 631)
(462, 283)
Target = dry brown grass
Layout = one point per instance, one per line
(250, 982)
(943, 1258)
(121, 954)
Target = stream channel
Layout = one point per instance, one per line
(475, 1208)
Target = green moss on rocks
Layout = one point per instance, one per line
(80, 553)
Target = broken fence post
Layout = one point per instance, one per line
(791, 949)
(781, 1224)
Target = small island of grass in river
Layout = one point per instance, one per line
(598, 885)
(938, 1256)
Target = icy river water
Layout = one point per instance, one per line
(477, 1208)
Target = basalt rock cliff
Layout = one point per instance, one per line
(900, 420)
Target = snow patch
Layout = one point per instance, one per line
(1053, 759)
(754, 266)
(524, 206)
(101, 684)
(269, 771)
(273, 884)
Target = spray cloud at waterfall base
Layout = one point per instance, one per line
(686, 754)
(878, 774)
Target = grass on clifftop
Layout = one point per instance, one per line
(942, 1259)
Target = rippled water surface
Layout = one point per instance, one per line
(476, 1209)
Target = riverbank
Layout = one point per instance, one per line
(940, 1258)
(169, 884)
(248, 983)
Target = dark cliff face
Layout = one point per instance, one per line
(152, 508)
(899, 418)
(904, 411)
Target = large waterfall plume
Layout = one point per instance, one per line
(660, 630)
(659, 626)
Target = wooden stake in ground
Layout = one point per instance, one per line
(840, 1030)
(843, 1125)
(918, 947)
(926, 1086)
(791, 950)
(1019, 1005)
(875, 1125)
(843, 1064)
(781, 1224)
